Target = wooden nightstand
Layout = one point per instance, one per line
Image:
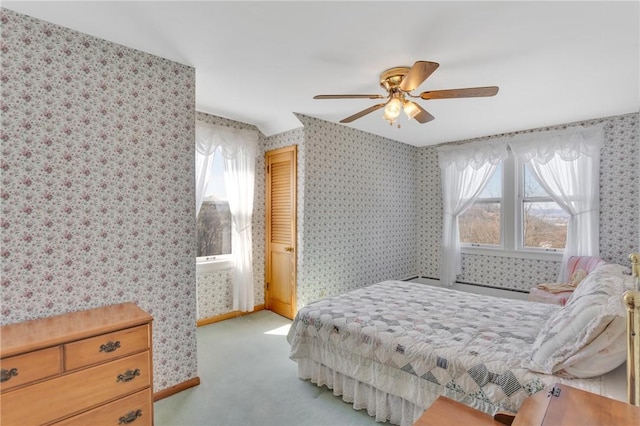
(447, 412)
(562, 405)
(565, 405)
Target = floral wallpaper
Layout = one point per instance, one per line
(360, 210)
(619, 206)
(97, 177)
(356, 214)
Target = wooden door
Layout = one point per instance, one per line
(280, 223)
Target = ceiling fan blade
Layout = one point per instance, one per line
(470, 92)
(349, 97)
(362, 113)
(423, 116)
(417, 74)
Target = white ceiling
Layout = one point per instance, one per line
(261, 62)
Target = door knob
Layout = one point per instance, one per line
(288, 249)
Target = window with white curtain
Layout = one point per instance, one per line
(213, 223)
(466, 171)
(550, 197)
(514, 213)
(542, 223)
(480, 225)
(237, 150)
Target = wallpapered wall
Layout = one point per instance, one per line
(619, 206)
(98, 184)
(360, 210)
(357, 214)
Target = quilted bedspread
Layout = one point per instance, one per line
(417, 341)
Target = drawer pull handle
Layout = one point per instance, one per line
(110, 346)
(130, 417)
(128, 375)
(8, 374)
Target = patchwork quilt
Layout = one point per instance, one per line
(417, 342)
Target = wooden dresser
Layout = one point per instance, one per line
(91, 367)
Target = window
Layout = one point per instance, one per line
(514, 213)
(213, 223)
(544, 223)
(480, 223)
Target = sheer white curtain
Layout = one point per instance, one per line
(465, 169)
(239, 149)
(206, 145)
(567, 165)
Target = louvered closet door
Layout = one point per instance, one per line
(280, 270)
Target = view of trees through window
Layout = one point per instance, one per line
(544, 223)
(213, 224)
(214, 228)
(480, 224)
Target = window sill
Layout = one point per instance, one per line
(520, 254)
(207, 266)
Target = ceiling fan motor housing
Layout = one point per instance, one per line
(390, 79)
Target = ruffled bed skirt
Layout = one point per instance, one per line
(386, 407)
(379, 404)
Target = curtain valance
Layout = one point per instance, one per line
(474, 155)
(568, 144)
(231, 141)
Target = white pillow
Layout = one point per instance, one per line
(607, 352)
(596, 302)
(605, 269)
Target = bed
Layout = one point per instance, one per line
(393, 347)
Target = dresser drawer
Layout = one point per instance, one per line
(72, 393)
(21, 369)
(134, 409)
(106, 347)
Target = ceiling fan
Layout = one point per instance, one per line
(399, 82)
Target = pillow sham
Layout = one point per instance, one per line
(605, 353)
(595, 303)
(606, 269)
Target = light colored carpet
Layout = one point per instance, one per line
(248, 379)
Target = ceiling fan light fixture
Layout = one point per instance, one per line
(410, 109)
(392, 110)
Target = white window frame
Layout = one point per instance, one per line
(215, 263)
(501, 242)
(511, 220)
(521, 199)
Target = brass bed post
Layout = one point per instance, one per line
(632, 301)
